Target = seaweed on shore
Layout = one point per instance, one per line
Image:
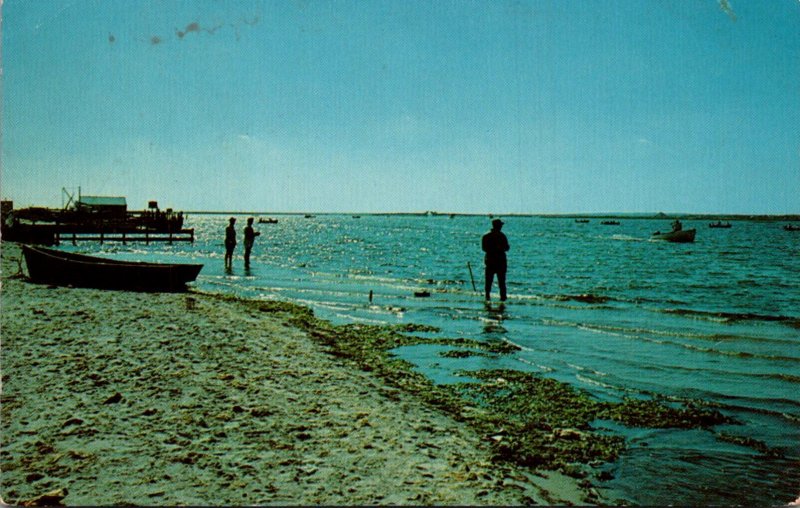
(528, 419)
(656, 415)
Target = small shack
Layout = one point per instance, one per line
(107, 206)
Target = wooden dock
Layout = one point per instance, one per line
(184, 235)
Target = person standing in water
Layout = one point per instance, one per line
(230, 242)
(249, 240)
(495, 245)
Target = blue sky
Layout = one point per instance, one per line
(369, 106)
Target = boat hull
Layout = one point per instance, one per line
(48, 266)
(683, 236)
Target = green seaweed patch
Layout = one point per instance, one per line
(415, 328)
(548, 423)
(749, 442)
(562, 449)
(525, 397)
(657, 415)
(545, 423)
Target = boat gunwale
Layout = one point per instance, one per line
(95, 260)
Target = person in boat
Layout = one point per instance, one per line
(676, 225)
(495, 245)
(249, 239)
(230, 242)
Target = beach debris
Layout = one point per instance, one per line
(52, 498)
(34, 477)
(584, 298)
(72, 421)
(260, 412)
(117, 397)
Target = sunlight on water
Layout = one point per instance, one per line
(604, 309)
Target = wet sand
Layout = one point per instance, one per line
(160, 399)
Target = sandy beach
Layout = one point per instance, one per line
(160, 399)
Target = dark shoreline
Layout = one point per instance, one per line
(576, 215)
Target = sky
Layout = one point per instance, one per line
(465, 106)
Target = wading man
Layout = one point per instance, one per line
(495, 245)
(230, 242)
(249, 239)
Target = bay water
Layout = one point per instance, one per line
(603, 308)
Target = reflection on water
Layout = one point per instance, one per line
(493, 324)
(607, 311)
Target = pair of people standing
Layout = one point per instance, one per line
(230, 241)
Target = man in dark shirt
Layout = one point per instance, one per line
(230, 242)
(495, 245)
(249, 239)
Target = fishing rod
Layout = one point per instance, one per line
(469, 266)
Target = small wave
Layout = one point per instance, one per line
(543, 368)
(630, 334)
(712, 337)
(627, 238)
(734, 316)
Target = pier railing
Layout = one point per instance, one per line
(184, 235)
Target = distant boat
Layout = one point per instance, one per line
(48, 266)
(582, 221)
(790, 227)
(356, 216)
(610, 223)
(309, 216)
(719, 224)
(682, 236)
(268, 221)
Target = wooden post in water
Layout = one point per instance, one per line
(469, 266)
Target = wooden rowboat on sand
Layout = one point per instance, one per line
(682, 236)
(48, 266)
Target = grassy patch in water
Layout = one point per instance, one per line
(749, 442)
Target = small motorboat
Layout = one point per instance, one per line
(681, 236)
(790, 227)
(719, 224)
(268, 221)
(610, 223)
(582, 221)
(48, 266)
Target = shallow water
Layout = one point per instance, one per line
(600, 307)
